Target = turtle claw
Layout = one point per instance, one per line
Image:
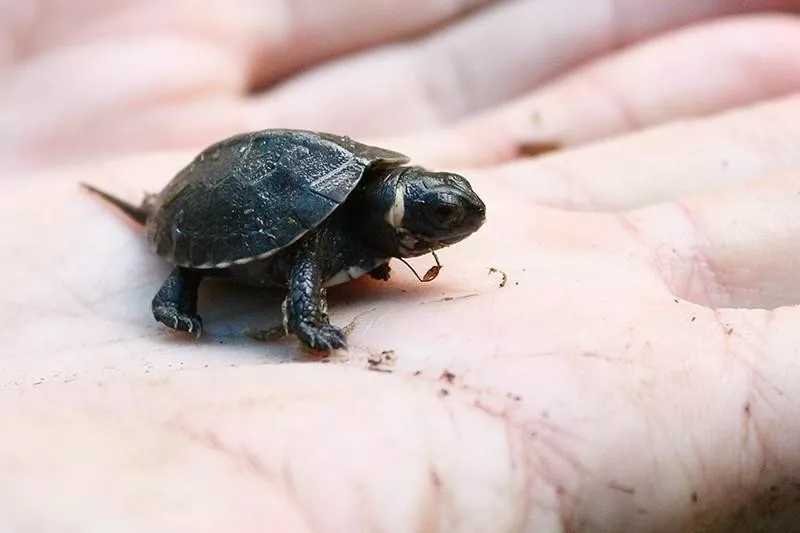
(326, 338)
(175, 319)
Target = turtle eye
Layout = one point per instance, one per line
(447, 215)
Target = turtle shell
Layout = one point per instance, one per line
(251, 195)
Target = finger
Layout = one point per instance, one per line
(487, 57)
(733, 248)
(283, 41)
(666, 162)
(698, 71)
(277, 37)
(91, 114)
(701, 70)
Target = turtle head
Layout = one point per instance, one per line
(433, 210)
(421, 211)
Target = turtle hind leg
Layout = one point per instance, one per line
(305, 307)
(175, 303)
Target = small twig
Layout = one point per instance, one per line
(504, 276)
(432, 272)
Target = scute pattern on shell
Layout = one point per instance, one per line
(251, 195)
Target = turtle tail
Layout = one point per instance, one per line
(137, 213)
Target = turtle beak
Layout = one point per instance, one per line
(471, 216)
(475, 211)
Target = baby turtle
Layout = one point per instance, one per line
(296, 209)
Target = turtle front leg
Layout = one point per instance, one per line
(381, 272)
(305, 307)
(175, 304)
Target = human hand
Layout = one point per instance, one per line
(612, 384)
(484, 80)
(584, 397)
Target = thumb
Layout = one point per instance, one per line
(736, 252)
(737, 247)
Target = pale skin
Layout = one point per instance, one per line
(638, 371)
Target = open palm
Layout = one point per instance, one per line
(606, 354)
